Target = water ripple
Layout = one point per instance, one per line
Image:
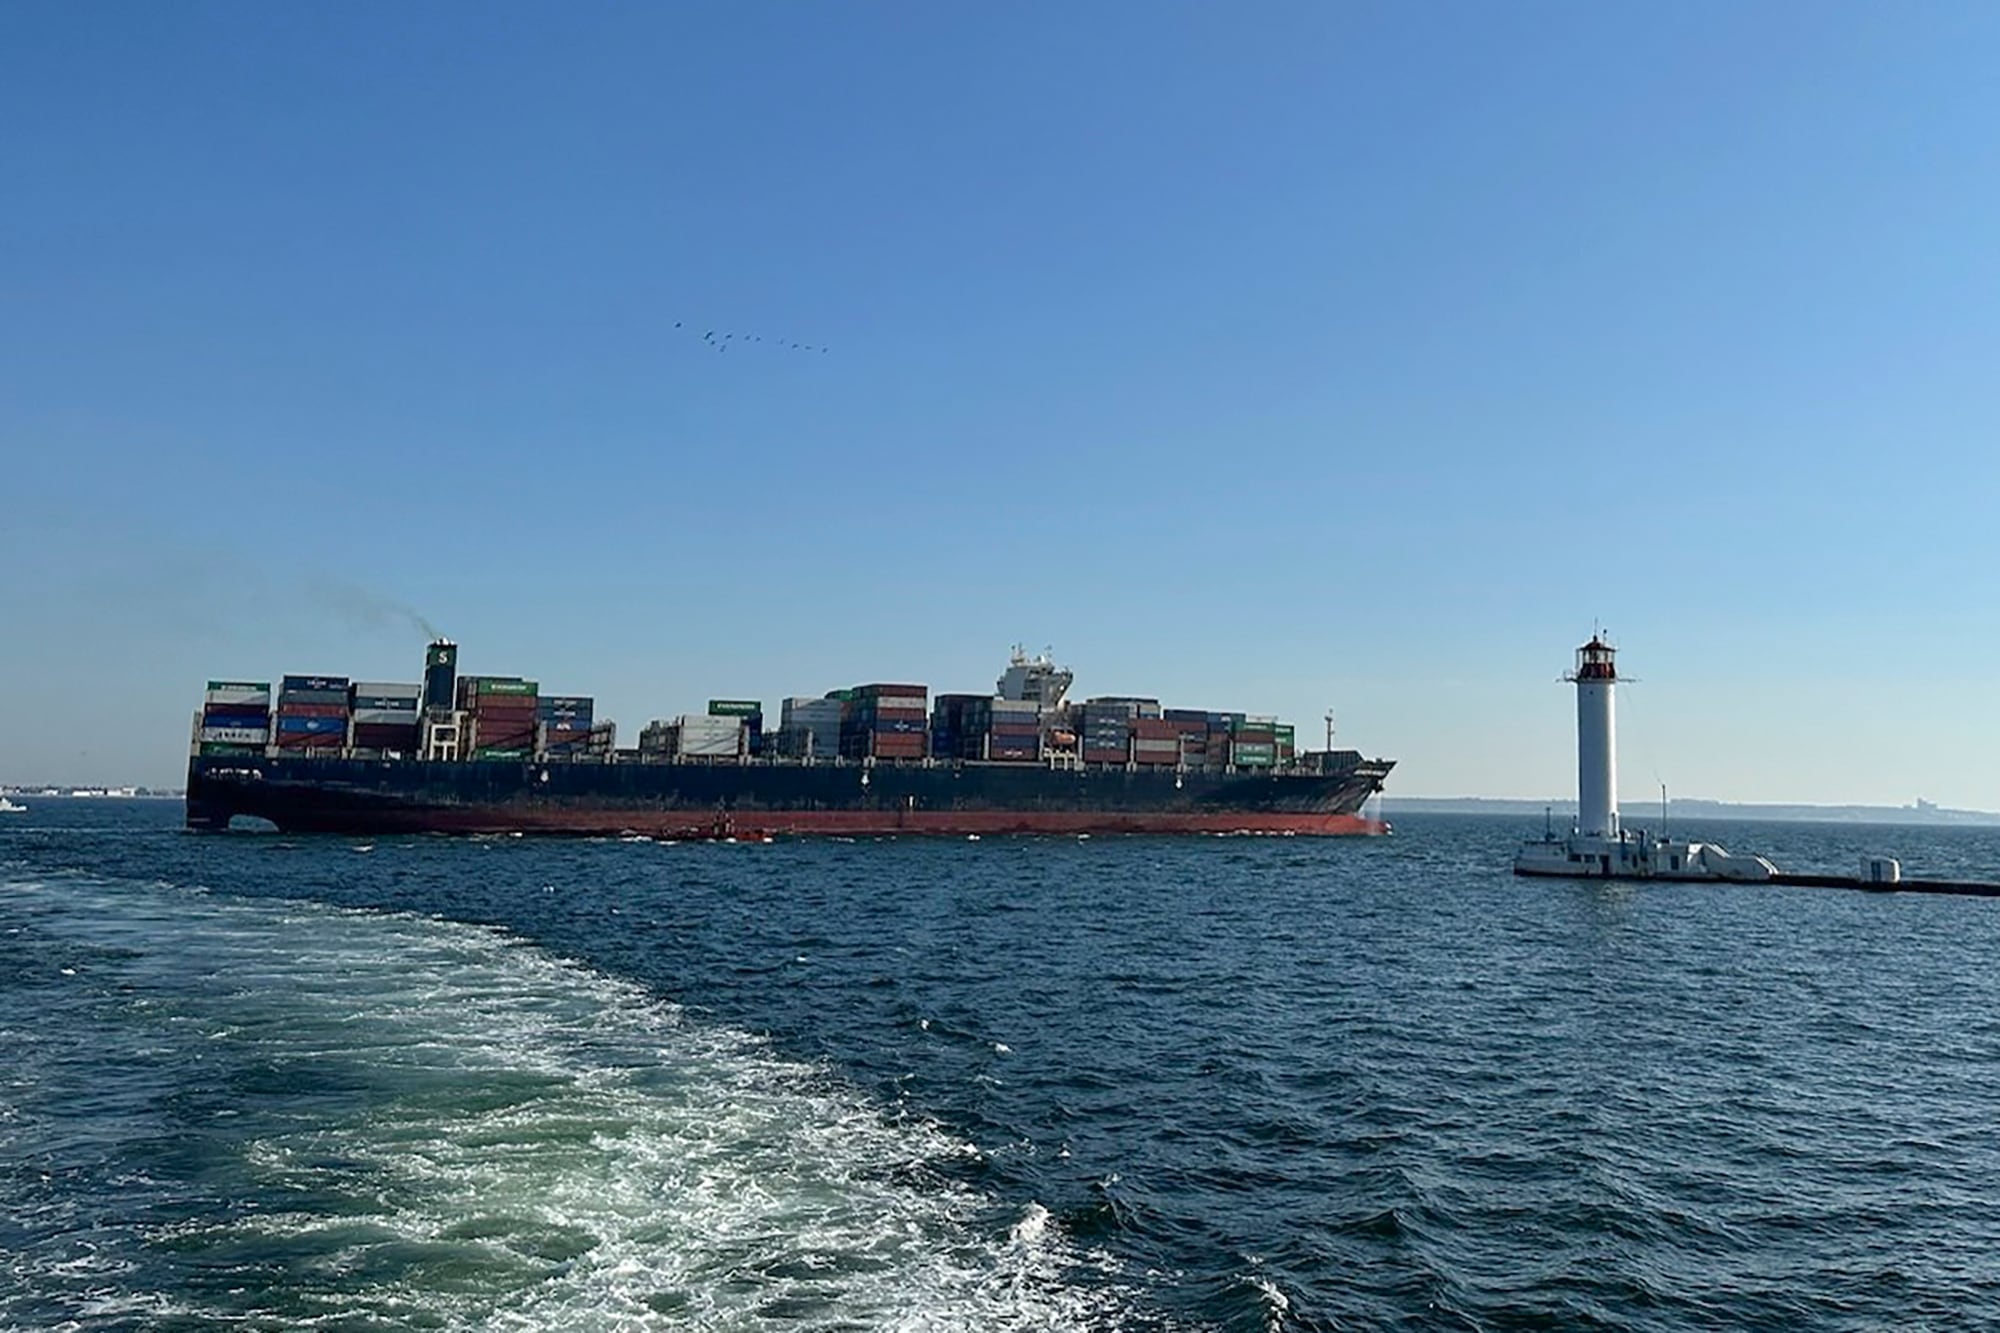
(1249, 1084)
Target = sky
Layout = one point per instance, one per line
(1279, 357)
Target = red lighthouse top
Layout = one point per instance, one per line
(1596, 660)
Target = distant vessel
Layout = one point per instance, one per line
(7, 807)
(1597, 847)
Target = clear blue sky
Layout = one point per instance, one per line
(1260, 357)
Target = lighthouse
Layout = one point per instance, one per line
(1598, 848)
(1596, 681)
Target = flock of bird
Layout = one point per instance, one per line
(721, 341)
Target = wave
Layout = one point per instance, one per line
(406, 1120)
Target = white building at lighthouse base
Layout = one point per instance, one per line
(1636, 856)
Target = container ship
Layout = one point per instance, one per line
(494, 754)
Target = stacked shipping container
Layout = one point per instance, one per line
(312, 713)
(960, 724)
(564, 723)
(508, 718)
(501, 712)
(1253, 742)
(810, 728)
(752, 713)
(707, 736)
(1198, 744)
(1156, 742)
(235, 717)
(385, 716)
(1015, 733)
(1106, 725)
(887, 722)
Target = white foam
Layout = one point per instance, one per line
(540, 1145)
(1275, 1303)
(1032, 1227)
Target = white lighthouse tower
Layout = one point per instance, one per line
(1598, 847)
(1596, 681)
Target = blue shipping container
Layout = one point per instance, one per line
(339, 697)
(313, 726)
(315, 683)
(237, 718)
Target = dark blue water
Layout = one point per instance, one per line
(264, 1082)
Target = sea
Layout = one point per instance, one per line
(257, 1081)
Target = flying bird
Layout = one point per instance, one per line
(720, 339)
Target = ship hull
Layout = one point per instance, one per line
(695, 800)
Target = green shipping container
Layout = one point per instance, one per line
(486, 685)
(218, 748)
(249, 685)
(500, 754)
(735, 708)
(1286, 734)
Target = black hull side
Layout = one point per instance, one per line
(370, 797)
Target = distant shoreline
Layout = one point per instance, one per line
(50, 791)
(1645, 813)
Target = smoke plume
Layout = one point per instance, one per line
(367, 609)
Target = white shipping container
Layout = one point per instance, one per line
(706, 736)
(704, 724)
(379, 689)
(236, 735)
(240, 698)
(380, 717)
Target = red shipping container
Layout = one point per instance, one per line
(899, 746)
(300, 740)
(1152, 729)
(312, 710)
(1104, 756)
